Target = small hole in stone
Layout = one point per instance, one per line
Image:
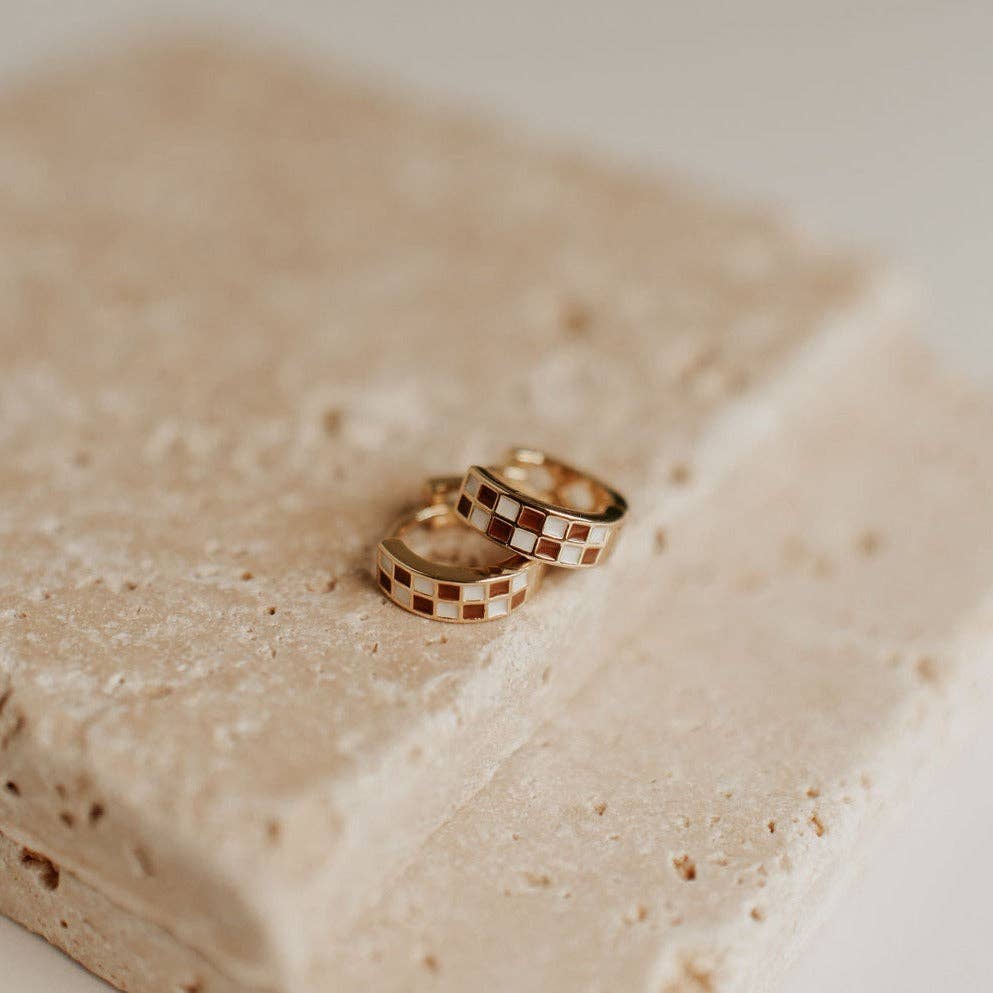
(685, 867)
(698, 978)
(96, 813)
(68, 819)
(11, 787)
(679, 474)
(636, 914)
(64, 925)
(246, 576)
(927, 670)
(813, 792)
(270, 611)
(817, 824)
(538, 879)
(661, 540)
(575, 317)
(600, 809)
(772, 827)
(331, 421)
(431, 962)
(868, 543)
(48, 871)
(757, 914)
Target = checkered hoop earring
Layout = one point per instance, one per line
(542, 508)
(454, 593)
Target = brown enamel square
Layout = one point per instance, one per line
(447, 592)
(487, 496)
(472, 611)
(533, 520)
(518, 599)
(500, 589)
(465, 505)
(423, 604)
(590, 556)
(579, 532)
(384, 581)
(547, 549)
(401, 575)
(500, 529)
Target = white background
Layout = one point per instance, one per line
(871, 121)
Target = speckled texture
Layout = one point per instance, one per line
(120, 946)
(822, 618)
(244, 311)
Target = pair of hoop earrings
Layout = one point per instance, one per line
(540, 510)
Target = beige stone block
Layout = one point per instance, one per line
(822, 621)
(118, 945)
(244, 310)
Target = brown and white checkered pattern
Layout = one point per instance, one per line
(510, 519)
(483, 600)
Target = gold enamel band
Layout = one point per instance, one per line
(454, 593)
(540, 507)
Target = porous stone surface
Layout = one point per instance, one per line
(122, 947)
(245, 309)
(822, 620)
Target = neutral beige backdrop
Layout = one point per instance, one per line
(871, 121)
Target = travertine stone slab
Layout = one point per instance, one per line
(112, 942)
(244, 310)
(821, 620)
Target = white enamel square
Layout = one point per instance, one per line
(473, 594)
(518, 582)
(497, 608)
(554, 527)
(472, 486)
(401, 594)
(480, 519)
(523, 540)
(598, 535)
(444, 608)
(424, 585)
(508, 508)
(571, 554)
